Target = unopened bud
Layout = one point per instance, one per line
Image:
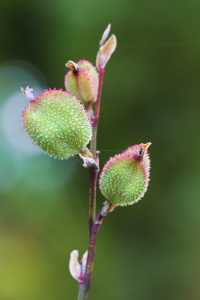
(105, 52)
(82, 81)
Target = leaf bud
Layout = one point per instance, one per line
(106, 48)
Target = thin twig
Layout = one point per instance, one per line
(84, 288)
(92, 206)
(96, 115)
(93, 225)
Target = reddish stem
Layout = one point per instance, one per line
(97, 107)
(96, 114)
(84, 288)
(93, 225)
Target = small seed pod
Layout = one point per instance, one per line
(82, 81)
(57, 123)
(125, 177)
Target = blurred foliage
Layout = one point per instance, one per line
(150, 93)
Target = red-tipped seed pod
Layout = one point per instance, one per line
(57, 123)
(82, 81)
(125, 177)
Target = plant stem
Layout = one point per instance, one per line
(92, 206)
(84, 288)
(93, 225)
(92, 172)
(93, 147)
(96, 115)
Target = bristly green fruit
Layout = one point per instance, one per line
(125, 177)
(57, 123)
(82, 81)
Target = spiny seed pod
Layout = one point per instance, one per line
(82, 81)
(125, 177)
(57, 123)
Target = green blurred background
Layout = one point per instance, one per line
(151, 92)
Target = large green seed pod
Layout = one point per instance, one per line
(125, 177)
(82, 81)
(57, 123)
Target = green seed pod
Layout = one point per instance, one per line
(57, 123)
(125, 177)
(82, 81)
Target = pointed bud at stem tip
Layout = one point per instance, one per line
(105, 52)
(72, 65)
(105, 35)
(28, 93)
